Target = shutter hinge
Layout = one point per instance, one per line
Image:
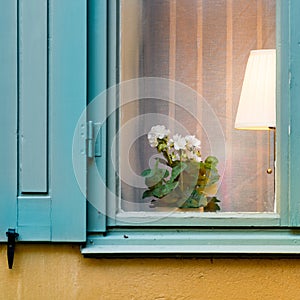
(93, 139)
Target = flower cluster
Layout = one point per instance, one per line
(175, 148)
(158, 132)
(181, 178)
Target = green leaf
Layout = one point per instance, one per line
(201, 198)
(146, 172)
(155, 179)
(190, 203)
(155, 176)
(165, 189)
(212, 160)
(148, 193)
(195, 200)
(167, 173)
(177, 170)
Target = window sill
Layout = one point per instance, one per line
(193, 242)
(188, 219)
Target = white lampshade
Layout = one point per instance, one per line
(257, 106)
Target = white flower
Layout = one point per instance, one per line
(160, 131)
(152, 140)
(157, 132)
(179, 142)
(192, 142)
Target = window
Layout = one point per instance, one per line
(152, 42)
(206, 49)
(204, 45)
(76, 50)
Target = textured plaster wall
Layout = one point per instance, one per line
(60, 272)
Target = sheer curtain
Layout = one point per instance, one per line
(204, 44)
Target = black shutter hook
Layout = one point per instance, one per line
(11, 241)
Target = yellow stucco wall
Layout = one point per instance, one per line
(60, 272)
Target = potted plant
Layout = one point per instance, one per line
(180, 178)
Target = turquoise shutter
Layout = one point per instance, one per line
(8, 116)
(43, 89)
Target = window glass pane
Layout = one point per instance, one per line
(204, 44)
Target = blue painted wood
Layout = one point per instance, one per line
(283, 112)
(33, 95)
(34, 218)
(67, 100)
(97, 83)
(8, 116)
(294, 113)
(196, 219)
(203, 241)
(112, 102)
